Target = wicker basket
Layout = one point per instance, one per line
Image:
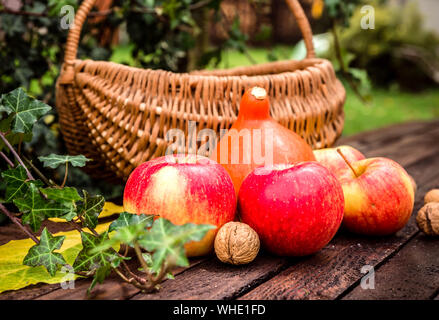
(119, 115)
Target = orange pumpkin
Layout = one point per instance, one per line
(256, 139)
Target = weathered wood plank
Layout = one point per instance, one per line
(112, 289)
(12, 232)
(30, 292)
(411, 148)
(408, 149)
(413, 273)
(215, 280)
(387, 135)
(330, 272)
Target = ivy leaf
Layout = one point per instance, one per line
(15, 275)
(167, 240)
(12, 137)
(126, 219)
(63, 195)
(55, 6)
(90, 260)
(16, 183)
(110, 209)
(67, 197)
(55, 160)
(35, 209)
(129, 229)
(148, 259)
(90, 209)
(43, 253)
(26, 110)
(100, 274)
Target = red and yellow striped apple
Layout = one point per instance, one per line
(379, 196)
(295, 209)
(331, 159)
(183, 189)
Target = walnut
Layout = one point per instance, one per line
(432, 196)
(428, 219)
(236, 243)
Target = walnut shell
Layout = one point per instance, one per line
(432, 196)
(236, 243)
(428, 219)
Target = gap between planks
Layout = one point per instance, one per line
(411, 273)
(113, 288)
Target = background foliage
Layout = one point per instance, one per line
(399, 51)
(161, 34)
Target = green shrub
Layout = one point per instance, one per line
(384, 51)
(161, 34)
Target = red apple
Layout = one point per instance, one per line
(183, 189)
(295, 209)
(379, 196)
(332, 160)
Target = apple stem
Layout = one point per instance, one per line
(347, 161)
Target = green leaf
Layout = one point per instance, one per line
(148, 259)
(15, 275)
(62, 195)
(126, 219)
(12, 137)
(67, 197)
(100, 274)
(43, 254)
(129, 229)
(26, 110)
(90, 260)
(108, 210)
(55, 160)
(55, 6)
(90, 209)
(16, 183)
(167, 241)
(35, 209)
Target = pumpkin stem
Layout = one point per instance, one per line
(259, 93)
(254, 105)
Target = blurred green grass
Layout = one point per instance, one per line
(387, 106)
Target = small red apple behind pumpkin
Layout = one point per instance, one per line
(331, 159)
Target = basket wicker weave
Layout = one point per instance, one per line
(119, 115)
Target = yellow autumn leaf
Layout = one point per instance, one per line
(109, 209)
(14, 275)
(317, 8)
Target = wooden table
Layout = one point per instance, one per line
(406, 265)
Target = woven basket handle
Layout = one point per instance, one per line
(87, 5)
(75, 31)
(304, 26)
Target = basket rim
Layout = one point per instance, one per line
(275, 68)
